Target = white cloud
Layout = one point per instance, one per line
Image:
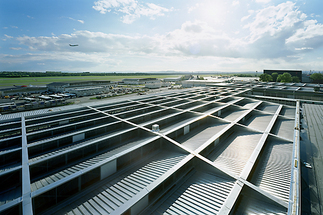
(131, 9)
(193, 39)
(311, 32)
(190, 9)
(104, 6)
(284, 28)
(15, 48)
(8, 37)
(247, 17)
(79, 20)
(30, 17)
(234, 3)
(89, 42)
(277, 35)
(13, 26)
(263, 1)
(303, 48)
(5, 27)
(275, 19)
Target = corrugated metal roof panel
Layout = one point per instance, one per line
(274, 169)
(251, 206)
(202, 193)
(233, 153)
(118, 191)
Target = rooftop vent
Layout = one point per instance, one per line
(155, 128)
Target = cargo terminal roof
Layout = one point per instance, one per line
(216, 152)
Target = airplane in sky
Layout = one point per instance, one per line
(73, 44)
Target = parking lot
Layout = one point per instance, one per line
(25, 102)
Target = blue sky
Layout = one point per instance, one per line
(151, 35)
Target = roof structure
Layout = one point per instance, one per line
(216, 152)
(301, 91)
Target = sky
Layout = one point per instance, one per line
(168, 35)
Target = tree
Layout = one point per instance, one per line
(274, 76)
(265, 77)
(295, 79)
(317, 77)
(285, 78)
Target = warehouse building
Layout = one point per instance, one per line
(193, 151)
(174, 79)
(154, 85)
(10, 91)
(81, 87)
(138, 81)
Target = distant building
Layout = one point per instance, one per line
(176, 79)
(166, 84)
(10, 91)
(80, 87)
(203, 83)
(154, 85)
(297, 73)
(137, 81)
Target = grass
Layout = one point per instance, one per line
(42, 81)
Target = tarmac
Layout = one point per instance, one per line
(311, 156)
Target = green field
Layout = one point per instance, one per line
(42, 81)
